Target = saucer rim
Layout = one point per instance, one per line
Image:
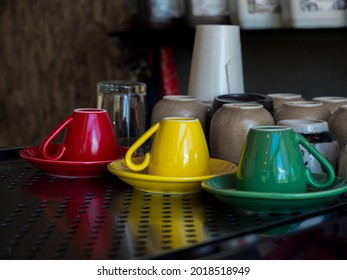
(136, 175)
(23, 153)
(232, 192)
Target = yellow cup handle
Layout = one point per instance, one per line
(137, 144)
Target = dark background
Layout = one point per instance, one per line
(53, 53)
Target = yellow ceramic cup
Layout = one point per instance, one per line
(179, 149)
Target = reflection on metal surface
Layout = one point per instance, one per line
(44, 217)
(161, 222)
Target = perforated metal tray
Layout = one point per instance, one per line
(45, 217)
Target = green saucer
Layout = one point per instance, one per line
(223, 187)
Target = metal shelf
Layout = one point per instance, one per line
(44, 217)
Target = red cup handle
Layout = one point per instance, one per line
(50, 137)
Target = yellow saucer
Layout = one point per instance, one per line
(142, 181)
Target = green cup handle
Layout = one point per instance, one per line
(322, 160)
(137, 144)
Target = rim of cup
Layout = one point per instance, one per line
(303, 103)
(285, 95)
(217, 27)
(305, 125)
(121, 86)
(188, 119)
(332, 99)
(270, 128)
(243, 105)
(180, 97)
(90, 110)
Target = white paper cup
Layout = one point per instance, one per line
(216, 66)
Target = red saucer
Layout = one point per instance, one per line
(67, 168)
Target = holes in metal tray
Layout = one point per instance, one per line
(14, 178)
(40, 241)
(22, 232)
(75, 231)
(167, 221)
(211, 225)
(42, 237)
(12, 216)
(120, 230)
(5, 173)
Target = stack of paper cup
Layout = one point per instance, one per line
(216, 66)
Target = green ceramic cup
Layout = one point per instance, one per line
(271, 162)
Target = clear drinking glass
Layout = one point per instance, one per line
(125, 101)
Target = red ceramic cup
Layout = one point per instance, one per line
(89, 137)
